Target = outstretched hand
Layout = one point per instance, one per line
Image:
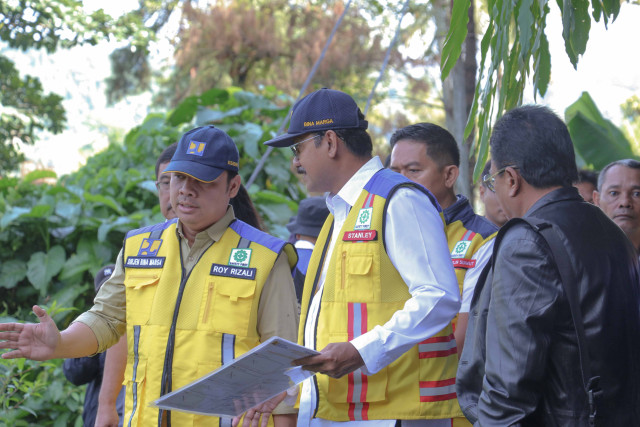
(259, 414)
(335, 360)
(36, 341)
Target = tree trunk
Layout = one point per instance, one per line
(455, 93)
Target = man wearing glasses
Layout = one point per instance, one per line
(552, 340)
(380, 290)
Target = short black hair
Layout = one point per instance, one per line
(586, 175)
(441, 145)
(537, 141)
(165, 156)
(357, 140)
(485, 171)
(630, 163)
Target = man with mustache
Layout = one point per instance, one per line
(618, 195)
(192, 293)
(380, 291)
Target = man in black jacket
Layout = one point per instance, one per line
(521, 364)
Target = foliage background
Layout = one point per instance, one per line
(55, 237)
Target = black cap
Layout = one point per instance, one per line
(204, 153)
(323, 109)
(312, 212)
(102, 276)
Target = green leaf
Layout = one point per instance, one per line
(76, 264)
(105, 200)
(525, 26)
(596, 139)
(12, 214)
(43, 266)
(455, 36)
(184, 112)
(11, 272)
(39, 174)
(214, 96)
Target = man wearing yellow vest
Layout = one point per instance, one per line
(428, 154)
(192, 293)
(380, 290)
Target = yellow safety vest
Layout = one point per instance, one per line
(179, 327)
(363, 289)
(466, 233)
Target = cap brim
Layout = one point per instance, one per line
(284, 140)
(194, 170)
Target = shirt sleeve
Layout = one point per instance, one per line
(521, 318)
(278, 312)
(417, 246)
(482, 257)
(107, 317)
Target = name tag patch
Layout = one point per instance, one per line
(463, 263)
(358, 236)
(144, 262)
(235, 272)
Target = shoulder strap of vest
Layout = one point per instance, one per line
(550, 234)
(152, 228)
(250, 234)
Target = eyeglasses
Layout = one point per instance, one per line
(162, 185)
(490, 180)
(294, 147)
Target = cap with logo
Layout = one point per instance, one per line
(204, 153)
(321, 110)
(102, 276)
(312, 212)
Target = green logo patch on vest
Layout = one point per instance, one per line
(460, 249)
(363, 222)
(240, 257)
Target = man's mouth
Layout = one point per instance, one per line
(300, 171)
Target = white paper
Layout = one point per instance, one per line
(256, 376)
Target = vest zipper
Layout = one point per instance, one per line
(167, 370)
(208, 303)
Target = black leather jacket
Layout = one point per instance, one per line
(520, 364)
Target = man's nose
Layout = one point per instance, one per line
(187, 186)
(625, 200)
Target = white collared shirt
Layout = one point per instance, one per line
(417, 246)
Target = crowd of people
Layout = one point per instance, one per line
(423, 312)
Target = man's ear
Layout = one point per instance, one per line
(332, 143)
(596, 198)
(451, 173)
(514, 181)
(234, 186)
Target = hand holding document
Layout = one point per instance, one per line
(243, 383)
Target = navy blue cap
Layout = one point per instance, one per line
(321, 110)
(312, 212)
(204, 153)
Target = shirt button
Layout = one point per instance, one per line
(190, 258)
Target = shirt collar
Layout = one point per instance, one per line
(215, 230)
(352, 189)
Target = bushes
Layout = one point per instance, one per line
(55, 237)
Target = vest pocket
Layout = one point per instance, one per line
(358, 280)
(231, 307)
(140, 290)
